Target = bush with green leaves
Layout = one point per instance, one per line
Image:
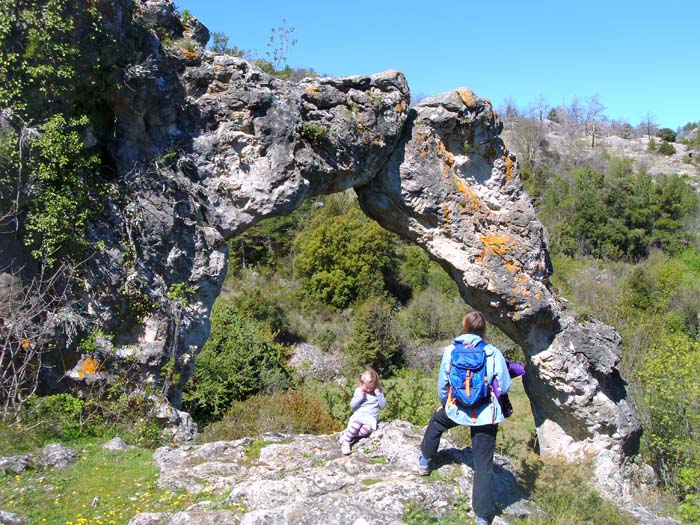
(262, 308)
(65, 175)
(342, 256)
(415, 266)
(239, 359)
(68, 418)
(51, 54)
(267, 243)
(666, 148)
(617, 215)
(411, 396)
(432, 316)
(671, 394)
(374, 341)
(666, 135)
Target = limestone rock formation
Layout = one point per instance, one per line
(204, 146)
(304, 479)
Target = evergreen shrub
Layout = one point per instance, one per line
(239, 359)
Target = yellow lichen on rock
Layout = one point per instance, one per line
(311, 90)
(446, 213)
(513, 267)
(467, 96)
(509, 167)
(496, 244)
(471, 198)
(444, 152)
(90, 366)
(446, 156)
(421, 141)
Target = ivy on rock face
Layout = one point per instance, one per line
(64, 171)
(50, 51)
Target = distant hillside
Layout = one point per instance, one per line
(523, 136)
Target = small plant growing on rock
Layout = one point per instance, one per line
(312, 132)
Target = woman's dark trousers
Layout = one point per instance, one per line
(483, 448)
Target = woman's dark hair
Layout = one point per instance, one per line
(474, 323)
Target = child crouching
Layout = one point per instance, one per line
(366, 402)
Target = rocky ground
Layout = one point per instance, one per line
(291, 479)
(304, 479)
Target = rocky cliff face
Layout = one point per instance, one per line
(205, 146)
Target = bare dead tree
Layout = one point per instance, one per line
(594, 114)
(31, 315)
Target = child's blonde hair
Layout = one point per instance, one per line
(369, 378)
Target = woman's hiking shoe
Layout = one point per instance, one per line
(423, 466)
(345, 448)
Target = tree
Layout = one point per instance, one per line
(238, 360)
(666, 134)
(374, 342)
(343, 256)
(648, 125)
(542, 107)
(671, 411)
(594, 112)
(219, 44)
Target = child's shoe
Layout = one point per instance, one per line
(345, 448)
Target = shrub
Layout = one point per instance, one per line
(262, 308)
(432, 316)
(415, 266)
(288, 411)
(411, 396)
(671, 410)
(314, 133)
(237, 361)
(343, 256)
(374, 340)
(666, 148)
(666, 135)
(67, 418)
(65, 171)
(334, 397)
(566, 496)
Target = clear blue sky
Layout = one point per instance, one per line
(637, 56)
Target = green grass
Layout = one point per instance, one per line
(417, 514)
(371, 481)
(252, 451)
(120, 483)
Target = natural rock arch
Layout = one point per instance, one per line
(205, 146)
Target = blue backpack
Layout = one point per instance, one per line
(470, 386)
